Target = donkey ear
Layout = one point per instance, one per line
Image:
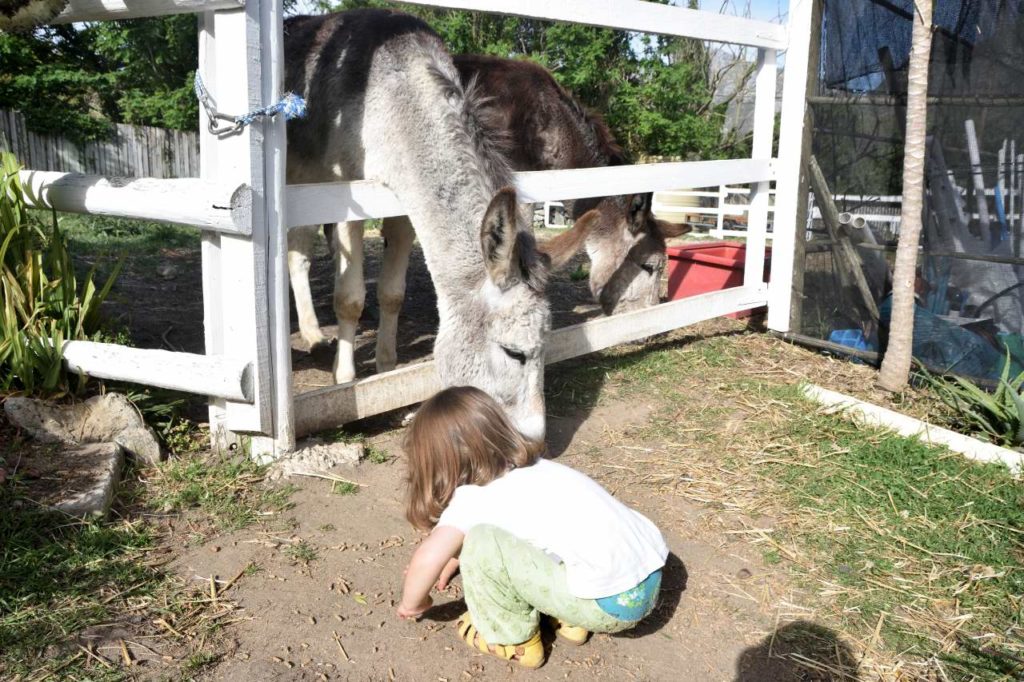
(669, 230)
(562, 248)
(499, 237)
(639, 212)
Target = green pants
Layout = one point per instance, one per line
(509, 583)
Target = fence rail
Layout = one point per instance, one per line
(130, 152)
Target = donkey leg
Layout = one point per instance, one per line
(300, 252)
(398, 237)
(349, 295)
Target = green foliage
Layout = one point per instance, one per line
(42, 304)
(76, 81)
(55, 78)
(165, 411)
(655, 94)
(998, 416)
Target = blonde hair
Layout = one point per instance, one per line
(461, 436)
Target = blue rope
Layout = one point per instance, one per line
(291, 105)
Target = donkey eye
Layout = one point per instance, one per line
(647, 267)
(515, 355)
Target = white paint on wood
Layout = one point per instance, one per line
(635, 15)
(334, 405)
(788, 195)
(337, 202)
(220, 437)
(236, 86)
(213, 375)
(765, 81)
(874, 415)
(186, 201)
(275, 151)
(109, 10)
(605, 332)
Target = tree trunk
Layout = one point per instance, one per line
(896, 365)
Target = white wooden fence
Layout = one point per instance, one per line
(724, 219)
(244, 209)
(130, 151)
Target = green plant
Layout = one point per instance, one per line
(998, 415)
(376, 455)
(42, 304)
(344, 488)
(302, 551)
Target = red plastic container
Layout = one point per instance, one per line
(708, 266)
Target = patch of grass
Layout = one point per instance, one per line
(228, 491)
(344, 488)
(377, 455)
(199, 660)
(911, 541)
(91, 235)
(326, 528)
(301, 552)
(629, 370)
(58, 576)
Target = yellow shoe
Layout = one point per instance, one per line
(572, 634)
(529, 654)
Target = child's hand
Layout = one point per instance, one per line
(449, 570)
(414, 613)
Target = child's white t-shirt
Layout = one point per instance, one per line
(607, 547)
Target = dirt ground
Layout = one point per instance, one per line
(710, 624)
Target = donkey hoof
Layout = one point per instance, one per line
(314, 341)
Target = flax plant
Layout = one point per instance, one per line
(41, 302)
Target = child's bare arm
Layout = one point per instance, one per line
(425, 568)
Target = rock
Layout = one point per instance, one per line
(104, 418)
(167, 270)
(93, 498)
(141, 445)
(316, 458)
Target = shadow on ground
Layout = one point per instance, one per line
(800, 651)
(574, 387)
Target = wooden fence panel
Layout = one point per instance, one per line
(131, 151)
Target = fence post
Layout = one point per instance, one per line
(240, 273)
(788, 236)
(764, 131)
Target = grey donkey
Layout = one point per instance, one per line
(543, 128)
(385, 102)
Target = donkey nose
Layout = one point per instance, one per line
(532, 427)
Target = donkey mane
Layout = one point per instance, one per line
(474, 119)
(606, 143)
(489, 143)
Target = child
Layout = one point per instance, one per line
(530, 536)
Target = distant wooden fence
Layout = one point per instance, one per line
(131, 151)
